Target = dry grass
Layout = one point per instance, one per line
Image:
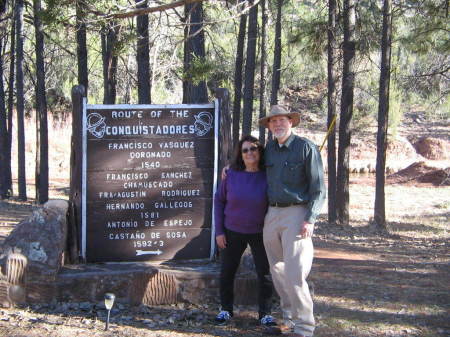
(399, 288)
(59, 133)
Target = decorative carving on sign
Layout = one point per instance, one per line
(96, 124)
(203, 123)
(12, 283)
(16, 265)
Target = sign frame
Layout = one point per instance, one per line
(85, 107)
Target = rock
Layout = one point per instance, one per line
(400, 153)
(433, 148)
(150, 324)
(36, 307)
(102, 313)
(143, 309)
(36, 245)
(63, 307)
(200, 318)
(420, 172)
(17, 294)
(73, 306)
(85, 306)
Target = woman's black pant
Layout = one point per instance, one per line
(231, 257)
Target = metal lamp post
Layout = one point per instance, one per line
(109, 302)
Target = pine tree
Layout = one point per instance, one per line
(250, 65)
(331, 100)
(20, 101)
(348, 84)
(41, 176)
(383, 115)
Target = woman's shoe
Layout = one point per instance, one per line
(270, 325)
(223, 317)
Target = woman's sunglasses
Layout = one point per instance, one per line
(252, 149)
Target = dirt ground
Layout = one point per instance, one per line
(367, 283)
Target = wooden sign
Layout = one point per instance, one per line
(148, 181)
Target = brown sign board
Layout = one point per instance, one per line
(148, 181)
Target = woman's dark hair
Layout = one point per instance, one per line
(238, 163)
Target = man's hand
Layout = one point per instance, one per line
(224, 172)
(221, 241)
(306, 229)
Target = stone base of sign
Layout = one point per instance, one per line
(89, 282)
(33, 271)
(149, 283)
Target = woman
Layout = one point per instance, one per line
(240, 207)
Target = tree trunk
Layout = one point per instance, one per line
(331, 100)
(250, 65)
(3, 132)
(82, 55)
(109, 40)
(143, 57)
(348, 82)
(383, 115)
(276, 73)
(12, 64)
(238, 76)
(41, 176)
(4, 193)
(20, 102)
(194, 47)
(262, 89)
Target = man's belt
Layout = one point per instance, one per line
(286, 204)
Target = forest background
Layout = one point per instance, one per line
(376, 59)
(380, 68)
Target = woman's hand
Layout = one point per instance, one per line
(306, 229)
(221, 241)
(224, 172)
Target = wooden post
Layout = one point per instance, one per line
(225, 140)
(76, 161)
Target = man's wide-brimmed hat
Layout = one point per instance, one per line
(279, 110)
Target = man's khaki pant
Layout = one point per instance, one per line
(290, 258)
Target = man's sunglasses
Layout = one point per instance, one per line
(252, 149)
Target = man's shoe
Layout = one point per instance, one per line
(285, 329)
(223, 317)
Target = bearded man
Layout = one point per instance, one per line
(296, 193)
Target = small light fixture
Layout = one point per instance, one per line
(109, 302)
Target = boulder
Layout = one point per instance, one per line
(433, 148)
(34, 251)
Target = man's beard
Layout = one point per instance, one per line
(279, 134)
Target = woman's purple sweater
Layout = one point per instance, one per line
(240, 203)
